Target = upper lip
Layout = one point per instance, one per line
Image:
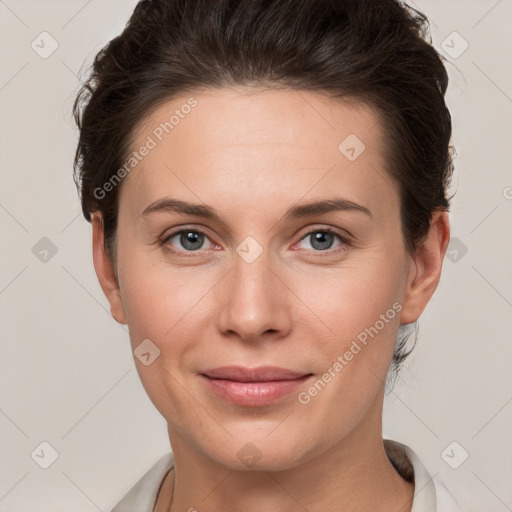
(260, 374)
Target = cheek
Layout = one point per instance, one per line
(354, 296)
(165, 307)
(161, 302)
(362, 311)
(359, 306)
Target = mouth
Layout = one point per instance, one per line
(253, 386)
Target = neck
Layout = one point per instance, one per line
(355, 474)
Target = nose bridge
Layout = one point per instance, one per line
(253, 300)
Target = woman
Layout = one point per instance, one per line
(267, 187)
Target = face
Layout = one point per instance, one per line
(257, 278)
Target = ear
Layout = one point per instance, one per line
(105, 270)
(426, 268)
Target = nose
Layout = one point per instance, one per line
(255, 301)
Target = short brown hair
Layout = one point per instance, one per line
(376, 51)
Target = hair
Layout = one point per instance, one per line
(377, 52)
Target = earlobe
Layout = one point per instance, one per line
(426, 268)
(105, 270)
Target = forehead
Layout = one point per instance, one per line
(257, 142)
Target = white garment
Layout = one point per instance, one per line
(429, 496)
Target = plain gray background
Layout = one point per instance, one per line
(67, 372)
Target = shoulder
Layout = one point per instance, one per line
(430, 494)
(142, 496)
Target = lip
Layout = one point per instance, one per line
(253, 386)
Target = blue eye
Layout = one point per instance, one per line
(190, 239)
(323, 239)
(193, 240)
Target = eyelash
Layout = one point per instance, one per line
(183, 253)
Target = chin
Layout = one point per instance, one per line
(253, 453)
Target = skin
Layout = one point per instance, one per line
(296, 306)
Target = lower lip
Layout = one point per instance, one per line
(253, 393)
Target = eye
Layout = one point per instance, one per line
(190, 240)
(193, 240)
(322, 240)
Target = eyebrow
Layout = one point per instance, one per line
(302, 210)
